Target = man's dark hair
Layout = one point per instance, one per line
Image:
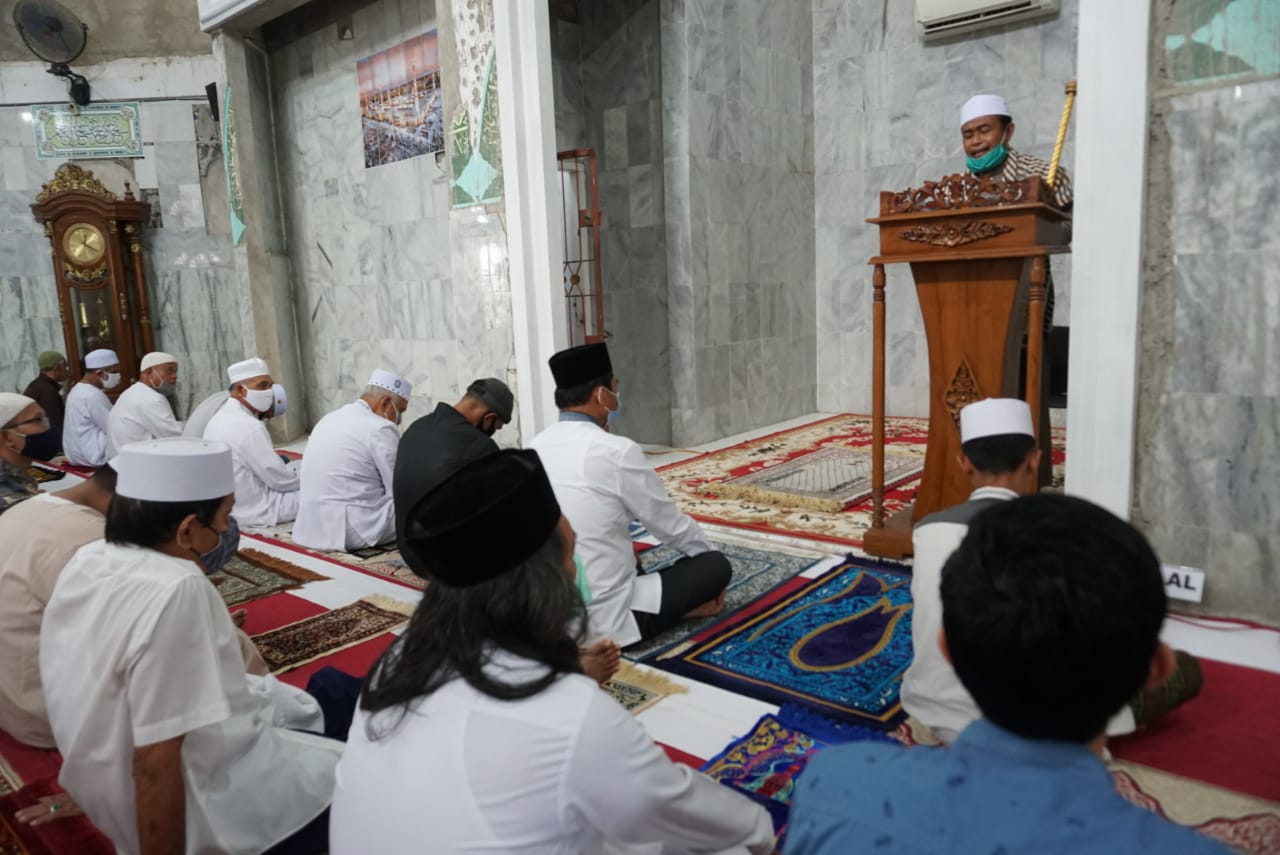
(1004, 122)
(104, 479)
(996, 455)
(138, 522)
(577, 395)
(1052, 609)
(478, 389)
(533, 611)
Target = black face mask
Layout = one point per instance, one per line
(223, 551)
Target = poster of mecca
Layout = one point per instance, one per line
(400, 101)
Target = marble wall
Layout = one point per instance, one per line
(738, 143)
(370, 249)
(186, 248)
(886, 116)
(1207, 476)
(622, 107)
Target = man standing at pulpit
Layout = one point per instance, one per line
(987, 127)
(986, 130)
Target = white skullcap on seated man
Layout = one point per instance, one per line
(266, 486)
(143, 411)
(165, 746)
(348, 467)
(86, 425)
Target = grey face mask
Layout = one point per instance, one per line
(228, 543)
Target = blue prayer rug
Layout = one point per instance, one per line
(838, 644)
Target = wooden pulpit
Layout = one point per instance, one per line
(978, 250)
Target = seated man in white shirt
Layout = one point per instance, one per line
(142, 411)
(266, 486)
(1000, 457)
(347, 471)
(603, 482)
(88, 414)
(165, 746)
(476, 730)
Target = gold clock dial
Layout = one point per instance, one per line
(83, 243)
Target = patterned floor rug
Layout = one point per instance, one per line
(311, 638)
(755, 571)
(638, 690)
(765, 764)
(252, 575)
(829, 479)
(838, 644)
(699, 484)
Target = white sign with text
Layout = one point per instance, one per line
(1183, 583)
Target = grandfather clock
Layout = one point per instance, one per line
(96, 243)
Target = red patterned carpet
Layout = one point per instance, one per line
(698, 484)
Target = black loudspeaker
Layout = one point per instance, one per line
(211, 91)
(1060, 352)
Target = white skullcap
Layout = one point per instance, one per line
(174, 469)
(11, 404)
(983, 105)
(151, 360)
(101, 358)
(995, 417)
(251, 367)
(386, 380)
(282, 400)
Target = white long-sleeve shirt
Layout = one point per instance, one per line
(565, 771)
(266, 487)
(602, 483)
(84, 431)
(140, 413)
(345, 501)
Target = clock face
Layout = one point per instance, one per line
(83, 243)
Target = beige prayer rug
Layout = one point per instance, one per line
(708, 487)
(1244, 823)
(829, 479)
(356, 558)
(396, 570)
(312, 638)
(251, 575)
(637, 689)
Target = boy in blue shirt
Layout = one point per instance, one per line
(1051, 613)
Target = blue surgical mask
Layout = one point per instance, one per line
(228, 543)
(584, 587)
(990, 161)
(613, 414)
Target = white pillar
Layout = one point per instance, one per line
(1106, 294)
(526, 107)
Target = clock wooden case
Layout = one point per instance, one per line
(96, 243)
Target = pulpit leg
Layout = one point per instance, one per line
(877, 397)
(1035, 339)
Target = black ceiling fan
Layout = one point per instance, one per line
(57, 36)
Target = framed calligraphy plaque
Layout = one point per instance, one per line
(101, 130)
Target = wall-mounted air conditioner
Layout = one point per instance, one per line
(939, 19)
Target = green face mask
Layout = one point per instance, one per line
(993, 159)
(584, 587)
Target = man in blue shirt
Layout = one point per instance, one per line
(1051, 613)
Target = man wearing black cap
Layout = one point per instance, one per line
(603, 482)
(445, 439)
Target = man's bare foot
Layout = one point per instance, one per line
(600, 661)
(239, 617)
(709, 608)
(49, 808)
